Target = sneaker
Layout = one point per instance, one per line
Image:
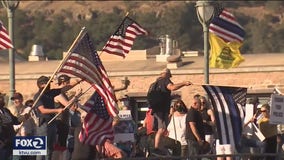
(158, 153)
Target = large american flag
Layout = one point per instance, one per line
(5, 41)
(84, 62)
(121, 41)
(228, 103)
(97, 126)
(225, 26)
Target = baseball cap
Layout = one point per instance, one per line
(42, 80)
(63, 78)
(17, 95)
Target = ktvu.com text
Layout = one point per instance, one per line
(30, 145)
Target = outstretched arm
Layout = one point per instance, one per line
(44, 110)
(173, 87)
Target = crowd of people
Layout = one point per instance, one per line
(170, 128)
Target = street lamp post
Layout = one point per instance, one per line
(205, 12)
(11, 6)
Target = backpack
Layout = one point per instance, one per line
(155, 96)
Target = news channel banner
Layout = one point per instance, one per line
(30, 145)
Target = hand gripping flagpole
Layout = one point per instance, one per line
(60, 65)
(82, 32)
(75, 99)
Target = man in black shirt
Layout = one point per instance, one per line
(195, 133)
(161, 112)
(45, 106)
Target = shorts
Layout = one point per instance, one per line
(209, 139)
(224, 148)
(160, 120)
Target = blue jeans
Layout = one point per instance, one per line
(49, 131)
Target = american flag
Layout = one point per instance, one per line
(228, 103)
(84, 62)
(121, 41)
(5, 41)
(225, 26)
(97, 126)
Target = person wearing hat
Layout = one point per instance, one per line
(28, 127)
(62, 120)
(61, 101)
(161, 112)
(18, 106)
(44, 104)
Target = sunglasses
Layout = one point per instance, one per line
(262, 110)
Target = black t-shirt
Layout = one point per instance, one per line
(7, 132)
(163, 83)
(194, 116)
(207, 128)
(46, 100)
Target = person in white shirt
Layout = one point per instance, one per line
(177, 125)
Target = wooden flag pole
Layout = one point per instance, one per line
(70, 104)
(60, 65)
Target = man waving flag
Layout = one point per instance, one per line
(83, 62)
(226, 37)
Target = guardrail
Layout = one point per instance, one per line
(243, 156)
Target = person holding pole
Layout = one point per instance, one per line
(46, 109)
(61, 101)
(62, 120)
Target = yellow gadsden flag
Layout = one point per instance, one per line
(224, 55)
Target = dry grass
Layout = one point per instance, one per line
(84, 7)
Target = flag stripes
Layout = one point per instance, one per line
(97, 125)
(5, 41)
(226, 27)
(84, 63)
(229, 114)
(121, 41)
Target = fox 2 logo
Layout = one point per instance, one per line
(30, 142)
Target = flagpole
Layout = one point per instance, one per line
(69, 104)
(199, 84)
(126, 15)
(60, 65)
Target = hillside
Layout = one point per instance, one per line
(84, 8)
(164, 12)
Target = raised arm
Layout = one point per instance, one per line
(173, 87)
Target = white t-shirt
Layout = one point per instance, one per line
(179, 132)
(28, 125)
